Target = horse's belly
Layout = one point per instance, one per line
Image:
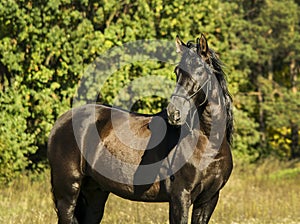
(155, 192)
(143, 193)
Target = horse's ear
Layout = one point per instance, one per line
(203, 46)
(179, 45)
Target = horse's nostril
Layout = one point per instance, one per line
(176, 115)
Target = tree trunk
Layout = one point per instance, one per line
(270, 70)
(295, 141)
(295, 151)
(262, 125)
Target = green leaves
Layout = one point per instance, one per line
(270, 30)
(15, 142)
(45, 47)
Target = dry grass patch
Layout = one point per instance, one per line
(265, 193)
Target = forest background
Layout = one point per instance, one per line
(45, 47)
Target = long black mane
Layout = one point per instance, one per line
(217, 67)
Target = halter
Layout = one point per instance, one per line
(207, 83)
(188, 98)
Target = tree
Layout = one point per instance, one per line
(274, 32)
(46, 47)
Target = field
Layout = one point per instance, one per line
(265, 193)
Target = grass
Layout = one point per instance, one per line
(265, 193)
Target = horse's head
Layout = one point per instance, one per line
(193, 76)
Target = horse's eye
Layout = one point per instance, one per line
(195, 88)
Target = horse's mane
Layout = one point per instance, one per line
(217, 67)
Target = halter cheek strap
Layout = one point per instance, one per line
(188, 98)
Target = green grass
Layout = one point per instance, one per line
(265, 193)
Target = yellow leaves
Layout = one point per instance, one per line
(159, 7)
(280, 141)
(173, 22)
(55, 85)
(218, 30)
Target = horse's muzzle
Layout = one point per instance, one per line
(174, 115)
(174, 118)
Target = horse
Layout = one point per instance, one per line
(180, 156)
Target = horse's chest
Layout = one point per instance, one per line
(195, 181)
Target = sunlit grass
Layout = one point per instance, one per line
(254, 195)
(26, 201)
(266, 193)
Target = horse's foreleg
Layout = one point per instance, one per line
(203, 211)
(179, 210)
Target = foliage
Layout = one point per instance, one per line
(245, 138)
(270, 95)
(15, 143)
(46, 47)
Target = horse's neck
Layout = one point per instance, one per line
(205, 119)
(213, 117)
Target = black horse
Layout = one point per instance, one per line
(181, 156)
